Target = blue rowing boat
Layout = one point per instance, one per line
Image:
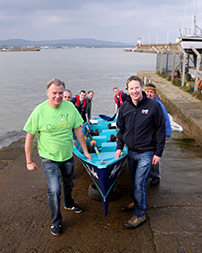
(104, 169)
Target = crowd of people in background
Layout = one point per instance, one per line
(82, 102)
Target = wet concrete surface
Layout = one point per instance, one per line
(176, 204)
(174, 218)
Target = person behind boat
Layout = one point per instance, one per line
(89, 98)
(119, 97)
(53, 121)
(141, 127)
(150, 90)
(67, 95)
(80, 103)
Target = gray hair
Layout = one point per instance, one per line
(56, 82)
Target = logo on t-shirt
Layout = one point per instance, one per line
(64, 125)
(63, 118)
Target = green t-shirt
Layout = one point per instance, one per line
(54, 128)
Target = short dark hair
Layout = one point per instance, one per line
(134, 78)
(115, 88)
(82, 91)
(90, 91)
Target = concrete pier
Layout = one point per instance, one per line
(168, 48)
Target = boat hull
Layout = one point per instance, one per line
(105, 178)
(104, 169)
(187, 42)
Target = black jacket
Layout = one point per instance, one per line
(141, 127)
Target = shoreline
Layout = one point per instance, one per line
(10, 153)
(9, 137)
(19, 49)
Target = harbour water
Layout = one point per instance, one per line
(24, 76)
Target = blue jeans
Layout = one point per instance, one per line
(139, 168)
(53, 171)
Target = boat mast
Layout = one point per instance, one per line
(195, 17)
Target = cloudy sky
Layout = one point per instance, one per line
(155, 21)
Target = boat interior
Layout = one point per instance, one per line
(101, 141)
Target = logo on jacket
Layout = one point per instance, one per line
(145, 111)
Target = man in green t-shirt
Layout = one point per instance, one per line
(53, 121)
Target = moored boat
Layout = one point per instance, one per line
(188, 39)
(104, 169)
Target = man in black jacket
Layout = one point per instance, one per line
(141, 126)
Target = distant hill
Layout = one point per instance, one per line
(63, 43)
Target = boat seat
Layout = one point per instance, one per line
(97, 158)
(108, 147)
(99, 139)
(109, 132)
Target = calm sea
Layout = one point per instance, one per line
(24, 76)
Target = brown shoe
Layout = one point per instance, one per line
(128, 207)
(135, 222)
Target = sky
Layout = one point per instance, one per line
(156, 21)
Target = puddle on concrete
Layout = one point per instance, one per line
(182, 143)
(181, 165)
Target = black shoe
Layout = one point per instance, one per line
(129, 207)
(56, 229)
(155, 181)
(75, 208)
